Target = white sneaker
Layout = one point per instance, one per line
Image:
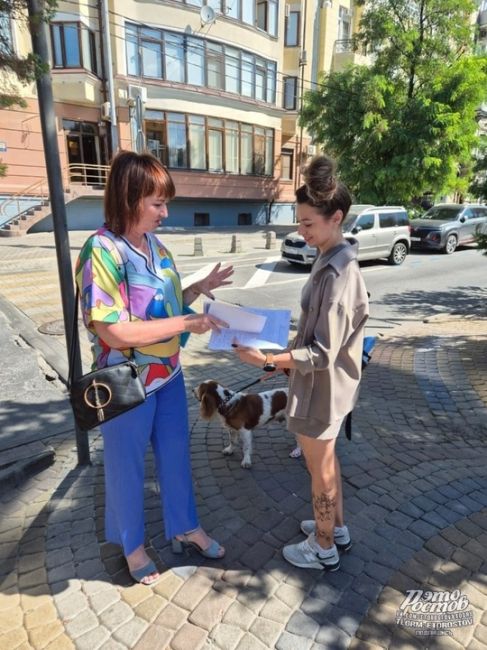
(309, 555)
(341, 538)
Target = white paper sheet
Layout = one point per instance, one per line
(237, 318)
(273, 334)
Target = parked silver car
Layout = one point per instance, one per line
(381, 231)
(447, 225)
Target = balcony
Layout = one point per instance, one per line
(344, 55)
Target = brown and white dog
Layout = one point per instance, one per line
(240, 412)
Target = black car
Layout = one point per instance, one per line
(447, 225)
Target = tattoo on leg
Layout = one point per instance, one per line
(324, 506)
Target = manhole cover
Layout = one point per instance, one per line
(53, 327)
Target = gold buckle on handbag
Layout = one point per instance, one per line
(98, 404)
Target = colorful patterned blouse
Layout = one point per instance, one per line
(103, 267)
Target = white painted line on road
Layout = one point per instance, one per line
(261, 276)
(375, 268)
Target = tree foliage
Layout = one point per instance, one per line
(478, 188)
(406, 124)
(14, 67)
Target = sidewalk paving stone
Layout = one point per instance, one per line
(415, 485)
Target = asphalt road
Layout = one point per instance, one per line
(424, 285)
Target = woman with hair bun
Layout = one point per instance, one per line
(324, 360)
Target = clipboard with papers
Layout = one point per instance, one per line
(249, 326)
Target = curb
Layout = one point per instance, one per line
(16, 473)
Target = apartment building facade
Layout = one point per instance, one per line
(211, 87)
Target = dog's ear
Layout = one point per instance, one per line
(208, 406)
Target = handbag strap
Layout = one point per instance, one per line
(74, 329)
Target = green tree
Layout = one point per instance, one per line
(478, 188)
(15, 68)
(405, 125)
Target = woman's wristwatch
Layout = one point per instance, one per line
(269, 365)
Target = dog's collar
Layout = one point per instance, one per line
(222, 408)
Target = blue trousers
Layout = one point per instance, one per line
(161, 420)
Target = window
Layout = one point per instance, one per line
(6, 43)
(291, 38)
(246, 149)
(287, 156)
(271, 82)
(267, 16)
(159, 54)
(233, 8)
(73, 46)
(132, 51)
(387, 220)
(232, 70)
(215, 145)
(176, 140)
(248, 12)
(260, 87)
(197, 142)
(366, 221)
(211, 144)
(195, 61)
(343, 24)
(247, 75)
(174, 57)
(201, 219)
(290, 91)
(231, 147)
(151, 52)
(269, 152)
(214, 62)
(402, 219)
(259, 151)
(244, 219)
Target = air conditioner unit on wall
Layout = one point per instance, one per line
(106, 110)
(137, 91)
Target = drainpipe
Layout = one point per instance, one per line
(107, 51)
(302, 65)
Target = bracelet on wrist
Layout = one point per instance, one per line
(269, 364)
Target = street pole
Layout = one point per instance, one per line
(38, 29)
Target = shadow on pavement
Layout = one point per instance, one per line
(471, 301)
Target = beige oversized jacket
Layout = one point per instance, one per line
(328, 347)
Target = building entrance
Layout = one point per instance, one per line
(84, 152)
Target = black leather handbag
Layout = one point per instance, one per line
(103, 394)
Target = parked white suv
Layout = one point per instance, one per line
(381, 231)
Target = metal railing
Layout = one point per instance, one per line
(37, 194)
(343, 45)
(87, 174)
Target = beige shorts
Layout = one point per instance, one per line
(331, 431)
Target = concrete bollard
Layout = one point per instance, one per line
(270, 239)
(236, 246)
(198, 247)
